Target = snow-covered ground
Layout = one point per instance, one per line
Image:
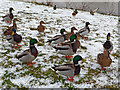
(40, 75)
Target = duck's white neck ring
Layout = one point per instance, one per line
(76, 64)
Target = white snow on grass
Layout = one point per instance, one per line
(15, 74)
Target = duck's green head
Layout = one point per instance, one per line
(62, 31)
(108, 36)
(87, 23)
(13, 31)
(73, 37)
(77, 58)
(10, 10)
(33, 41)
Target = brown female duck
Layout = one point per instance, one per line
(41, 28)
(104, 60)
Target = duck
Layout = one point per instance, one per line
(93, 11)
(8, 18)
(108, 45)
(58, 38)
(75, 12)
(9, 30)
(54, 8)
(84, 31)
(68, 48)
(104, 60)
(71, 33)
(30, 54)
(41, 28)
(15, 38)
(69, 69)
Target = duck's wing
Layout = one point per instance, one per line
(25, 53)
(66, 43)
(54, 38)
(7, 15)
(63, 47)
(64, 67)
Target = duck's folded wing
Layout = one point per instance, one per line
(26, 52)
(54, 38)
(82, 30)
(64, 67)
(6, 15)
(66, 47)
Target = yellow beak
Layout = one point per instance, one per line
(108, 37)
(66, 31)
(83, 60)
(13, 33)
(78, 38)
(40, 44)
(90, 24)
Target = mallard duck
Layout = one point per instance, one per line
(41, 28)
(104, 60)
(70, 69)
(71, 33)
(30, 54)
(58, 38)
(8, 18)
(9, 30)
(15, 38)
(54, 8)
(75, 12)
(93, 11)
(69, 48)
(84, 31)
(108, 46)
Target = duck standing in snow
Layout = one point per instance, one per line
(70, 69)
(93, 11)
(104, 59)
(58, 38)
(9, 30)
(108, 46)
(71, 33)
(41, 28)
(68, 48)
(30, 54)
(84, 31)
(15, 38)
(54, 8)
(8, 18)
(75, 12)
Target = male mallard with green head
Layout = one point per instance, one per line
(71, 69)
(84, 31)
(104, 60)
(69, 48)
(8, 18)
(15, 38)
(108, 46)
(30, 54)
(58, 38)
